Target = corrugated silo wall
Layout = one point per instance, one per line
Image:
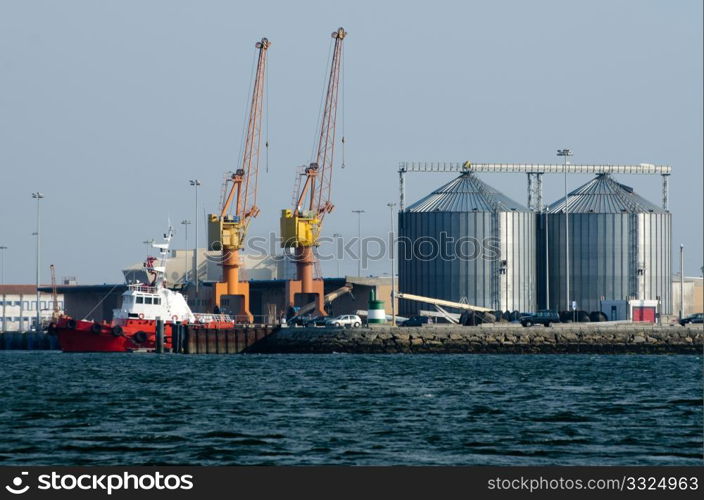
(456, 255)
(518, 284)
(655, 240)
(606, 251)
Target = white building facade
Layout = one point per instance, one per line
(18, 307)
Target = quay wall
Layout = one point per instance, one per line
(636, 339)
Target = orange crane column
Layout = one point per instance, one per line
(301, 226)
(232, 230)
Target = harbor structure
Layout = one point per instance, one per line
(467, 242)
(620, 248)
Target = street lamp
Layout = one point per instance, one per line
(681, 280)
(147, 244)
(185, 223)
(547, 262)
(565, 153)
(359, 240)
(38, 196)
(393, 275)
(337, 258)
(195, 183)
(2, 257)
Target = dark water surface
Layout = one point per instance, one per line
(108, 409)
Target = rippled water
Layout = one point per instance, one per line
(90, 409)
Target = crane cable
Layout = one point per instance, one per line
(266, 112)
(323, 95)
(245, 120)
(343, 109)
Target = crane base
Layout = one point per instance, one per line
(296, 297)
(237, 304)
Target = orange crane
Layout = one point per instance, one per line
(227, 231)
(301, 225)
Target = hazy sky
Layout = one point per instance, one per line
(109, 107)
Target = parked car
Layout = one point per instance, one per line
(416, 321)
(300, 320)
(545, 318)
(344, 320)
(316, 321)
(692, 318)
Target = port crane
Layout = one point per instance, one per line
(57, 312)
(226, 230)
(301, 225)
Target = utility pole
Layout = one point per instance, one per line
(195, 183)
(185, 223)
(147, 245)
(547, 263)
(393, 275)
(359, 240)
(681, 281)
(565, 153)
(38, 196)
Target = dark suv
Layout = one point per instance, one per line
(692, 318)
(416, 321)
(545, 318)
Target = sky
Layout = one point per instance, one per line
(109, 108)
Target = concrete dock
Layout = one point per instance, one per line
(584, 338)
(580, 338)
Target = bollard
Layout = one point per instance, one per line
(176, 337)
(159, 336)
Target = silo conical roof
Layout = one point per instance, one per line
(466, 193)
(606, 196)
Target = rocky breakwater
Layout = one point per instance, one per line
(508, 339)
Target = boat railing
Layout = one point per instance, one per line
(139, 287)
(210, 318)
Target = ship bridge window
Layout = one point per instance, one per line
(157, 301)
(140, 299)
(147, 300)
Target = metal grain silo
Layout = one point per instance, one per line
(619, 248)
(467, 242)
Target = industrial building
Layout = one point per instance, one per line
(691, 288)
(619, 249)
(18, 307)
(96, 302)
(465, 241)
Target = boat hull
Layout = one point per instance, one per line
(121, 336)
(87, 336)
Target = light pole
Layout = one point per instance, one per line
(2, 256)
(38, 196)
(195, 183)
(337, 258)
(565, 153)
(359, 240)
(547, 263)
(185, 223)
(147, 244)
(393, 274)
(682, 281)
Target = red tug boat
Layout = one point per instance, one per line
(133, 326)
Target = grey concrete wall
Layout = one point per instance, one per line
(490, 339)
